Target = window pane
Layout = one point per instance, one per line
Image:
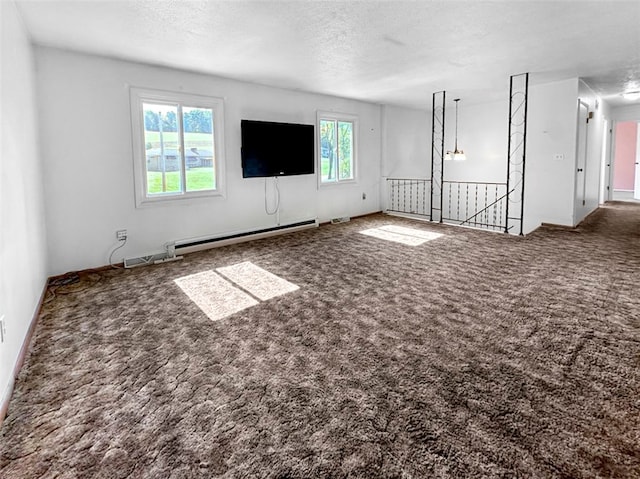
(345, 145)
(199, 148)
(328, 157)
(161, 148)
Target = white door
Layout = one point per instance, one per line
(607, 159)
(636, 189)
(581, 161)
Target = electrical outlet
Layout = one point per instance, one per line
(121, 235)
(558, 156)
(3, 329)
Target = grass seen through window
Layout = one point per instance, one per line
(179, 148)
(197, 178)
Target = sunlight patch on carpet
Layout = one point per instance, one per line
(215, 296)
(232, 288)
(257, 281)
(401, 234)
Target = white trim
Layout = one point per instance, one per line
(5, 400)
(636, 171)
(612, 158)
(606, 168)
(140, 95)
(332, 115)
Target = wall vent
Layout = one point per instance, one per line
(150, 259)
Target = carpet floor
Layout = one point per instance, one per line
(415, 350)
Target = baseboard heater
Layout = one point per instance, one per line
(199, 244)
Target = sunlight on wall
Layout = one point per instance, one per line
(400, 234)
(232, 288)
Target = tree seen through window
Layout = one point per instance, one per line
(336, 150)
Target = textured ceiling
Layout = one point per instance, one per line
(393, 52)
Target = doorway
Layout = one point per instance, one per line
(626, 156)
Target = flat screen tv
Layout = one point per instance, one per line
(277, 149)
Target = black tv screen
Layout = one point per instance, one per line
(277, 149)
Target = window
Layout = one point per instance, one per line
(178, 142)
(337, 148)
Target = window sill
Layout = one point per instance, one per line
(177, 198)
(337, 183)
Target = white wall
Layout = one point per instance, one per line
(86, 144)
(407, 143)
(626, 113)
(22, 232)
(406, 146)
(551, 129)
(482, 134)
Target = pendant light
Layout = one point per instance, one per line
(456, 155)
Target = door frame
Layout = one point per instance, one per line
(636, 170)
(578, 207)
(620, 114)
(612, 151)
(606, 192)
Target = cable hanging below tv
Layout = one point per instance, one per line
(277, 149)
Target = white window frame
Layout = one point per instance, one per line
(333, 116)
(142, 95)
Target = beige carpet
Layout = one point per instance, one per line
(337, 354)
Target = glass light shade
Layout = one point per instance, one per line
(456, 155)
(459, 155)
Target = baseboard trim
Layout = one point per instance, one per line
(8, 392)
(98, 269)
(558, 226)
